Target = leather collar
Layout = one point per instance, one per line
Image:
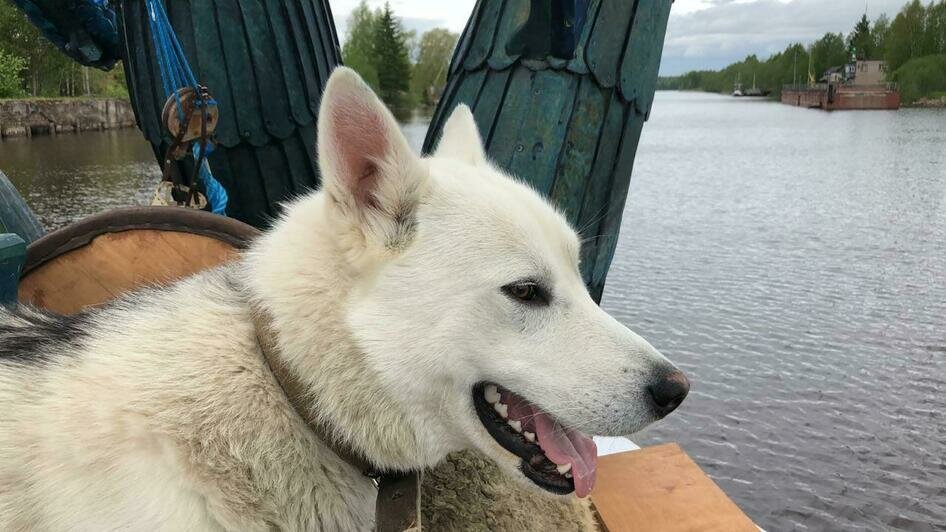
(397, 507)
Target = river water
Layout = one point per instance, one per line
(793, 262)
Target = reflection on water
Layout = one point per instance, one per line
(791, 261)
(68, 177)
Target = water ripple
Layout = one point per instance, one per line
(792, 262)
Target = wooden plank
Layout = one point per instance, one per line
(483, 35)
(514, 16)
(537, 148)
(116, 263)
(582, 138)
(642, 55)
(606, 43)
(660, 489)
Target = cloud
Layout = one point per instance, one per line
(706, 34)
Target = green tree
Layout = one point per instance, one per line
(358, 50)
(936, 28)
(828, 51)
(861, 41)
(880, 31)
(392, 62)
(921, 77)
(11, 83)
(906, 36)
(430, 72)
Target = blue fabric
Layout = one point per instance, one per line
(85, 30)
(216, 194)
(176, 73)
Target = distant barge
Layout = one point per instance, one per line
(838, 97)
(857, 85)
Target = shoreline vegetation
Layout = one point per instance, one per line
(913, 45)
(407, 70)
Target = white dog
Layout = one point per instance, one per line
(424, 305)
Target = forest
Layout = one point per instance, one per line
(913, 44)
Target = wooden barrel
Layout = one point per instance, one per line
(103, 256)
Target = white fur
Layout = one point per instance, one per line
(385, 292)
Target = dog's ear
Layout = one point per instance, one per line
(461, 139)
(367, 166)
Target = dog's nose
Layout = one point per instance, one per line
(669, 392)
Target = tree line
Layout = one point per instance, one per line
(406, 71)
(913, 45)
(31, 66)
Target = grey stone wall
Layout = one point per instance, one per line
(24, 118)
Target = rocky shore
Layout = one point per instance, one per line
(25, 118)
(930, 103)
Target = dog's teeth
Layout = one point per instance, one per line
(502, 409)
(491, 394)
(562, 469)
(529, 436)
(516, 425)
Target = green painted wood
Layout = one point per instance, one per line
(610, 227)
(502, 145)
(15, 215)
(241, 76)
(266, 63)
(12, 255)
(514, 15)
(490, 101)
(483, 34)
(577, 63)
(466, 40)
(270, 82)
(467, 92)
(288, 61)
(642, 56)
(581, 147)
(598, 182)
(576, 138)
(606, 44)
(538, 147)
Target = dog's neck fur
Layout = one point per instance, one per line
(316, 344)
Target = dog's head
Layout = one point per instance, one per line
(467, 300)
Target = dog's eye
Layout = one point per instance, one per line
(527, 292)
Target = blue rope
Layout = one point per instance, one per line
(176, 73)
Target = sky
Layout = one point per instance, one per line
(702, 34)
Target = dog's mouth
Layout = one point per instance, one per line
(555, 457)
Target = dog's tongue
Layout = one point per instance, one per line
(567, 446)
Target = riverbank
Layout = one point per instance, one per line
(929, 103)
(25, 118)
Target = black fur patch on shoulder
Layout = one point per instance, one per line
(32, 336)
